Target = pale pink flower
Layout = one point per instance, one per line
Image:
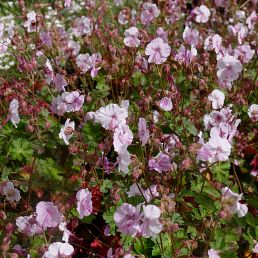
(255, 249)
(13, 112)
(66, 233)
(67, 3)
(222, 3)
(111, 116)
(46, 38)
(161, 33)
(83, 26)
(49, 74)
(251, 20)
(185, 56)
(239, 30)
(213, 253)
(12, 194)
(67, 131)
(73, 101)
(59, 250)
(74, 47)
(244, 53)
(158, 51)
(160, 163)
(135, 190)
(123, 137)
(59, 82)
(84, 62)
(253, 112)
(124, 160)
(150, 193)
(229, 68)
(143, 132)
(48, 215)
(28, 225)
(155, 115)
(150, 11)
(1, 29)
(128, 218)
(202, 14)
(217, 98)
(122, 18)
(131, 37)
(166, 104)
(30, 23)
(151, 226)
(213, 42)
(231, 202)
(141, 63)
(84, 203)
(191, 36)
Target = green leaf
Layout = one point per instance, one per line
(106, 185)
(221, 171)
(189, 126)
(20, 149)
(49, 169)
(108, 216)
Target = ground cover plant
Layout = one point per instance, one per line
(128, 128)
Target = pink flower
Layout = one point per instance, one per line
(148, 194)
(48, 215)
(185, 56)
(127, 218)
(124, 160)
(84, 203)
(202, 14)
(213, 253)
(213, 42)
(231, 202)
(253, 112)
(49, 74)
(11, 193)
(244, 53)
(59, 82)
(46, 38)
(150, 11)
(67, 3)
(59, 250)
(123, 137)
(67, 131)
(28, 225)
(217, 98)
(229, 68)
(84, 62)
(158, 51)
(251, 20)
(191, 36)
(131, 37)
(166, 104)
(111, 116)
(83, 26)
(238, 30)
(161, 33)
(143, 132)
(160, 163)
(151, 226)
(30, 23)
(255, 249)
(13, 112)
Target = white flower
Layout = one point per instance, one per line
(13, 112)
(11, 193)
(166, 104)
(231, 200)
(158, 51)
(131, 37)
(124, 160)
(253, 112)
(217, 98)
(111, 116)
(123, 137)
(58, 250)
(202, 14)
(228, 68)
(67, 131)
(30, 24)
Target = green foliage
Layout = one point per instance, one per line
(20, 149)
(108, 216)
(106, 186)
(221, 171)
